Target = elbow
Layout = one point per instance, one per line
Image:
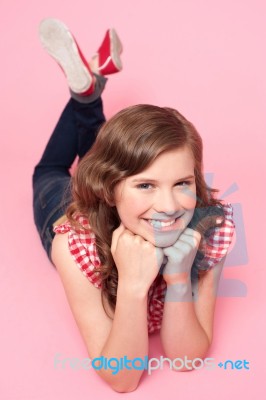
(188, 362)
(123, 384)
(121, 388)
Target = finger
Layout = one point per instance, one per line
(175, 260)
(185, 246)
(116, 234)
(186, 241)
(191, 232)
(127, 231)
(170, 252)
(190, 236)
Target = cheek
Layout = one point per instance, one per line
(136, 205)
(131, 206)
(188, 199)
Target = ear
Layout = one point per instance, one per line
(109, 200)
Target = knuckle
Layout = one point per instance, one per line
(186, 247)
(197, 235)
(189, 231)
(137, 240)
(178, 256)
(147, 245)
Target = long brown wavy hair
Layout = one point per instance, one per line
(126, 145)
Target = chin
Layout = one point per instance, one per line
(166, 239)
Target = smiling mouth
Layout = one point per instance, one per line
(158, 224)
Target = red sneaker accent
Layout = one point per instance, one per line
(109, 54)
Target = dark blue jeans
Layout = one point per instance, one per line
(73, 136)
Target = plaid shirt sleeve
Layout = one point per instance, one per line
(82, 246)
(219, 242)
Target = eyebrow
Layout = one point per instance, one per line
(154, 180)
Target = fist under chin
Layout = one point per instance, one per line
(166, 239)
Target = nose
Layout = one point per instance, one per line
(166, 202)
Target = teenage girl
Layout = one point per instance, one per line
(138, 238)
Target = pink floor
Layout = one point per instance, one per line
(205, 58)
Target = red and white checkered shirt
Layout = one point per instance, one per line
(82, 246)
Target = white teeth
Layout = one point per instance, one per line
(160, 224)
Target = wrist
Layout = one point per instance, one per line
(179, 292)
(177, 277)
(129, 290)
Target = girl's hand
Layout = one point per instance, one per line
(181, 256)
(137, 260)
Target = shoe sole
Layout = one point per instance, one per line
(58, 41)
(116, 49)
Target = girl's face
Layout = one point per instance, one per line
(158, 203)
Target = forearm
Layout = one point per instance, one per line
(128, 337)
(181, 333)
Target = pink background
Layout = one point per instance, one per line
(207, 59)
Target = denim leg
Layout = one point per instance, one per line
(89, 118)
(51, 197)
(73, 135)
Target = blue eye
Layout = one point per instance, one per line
(183, 183)
(144, 186)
